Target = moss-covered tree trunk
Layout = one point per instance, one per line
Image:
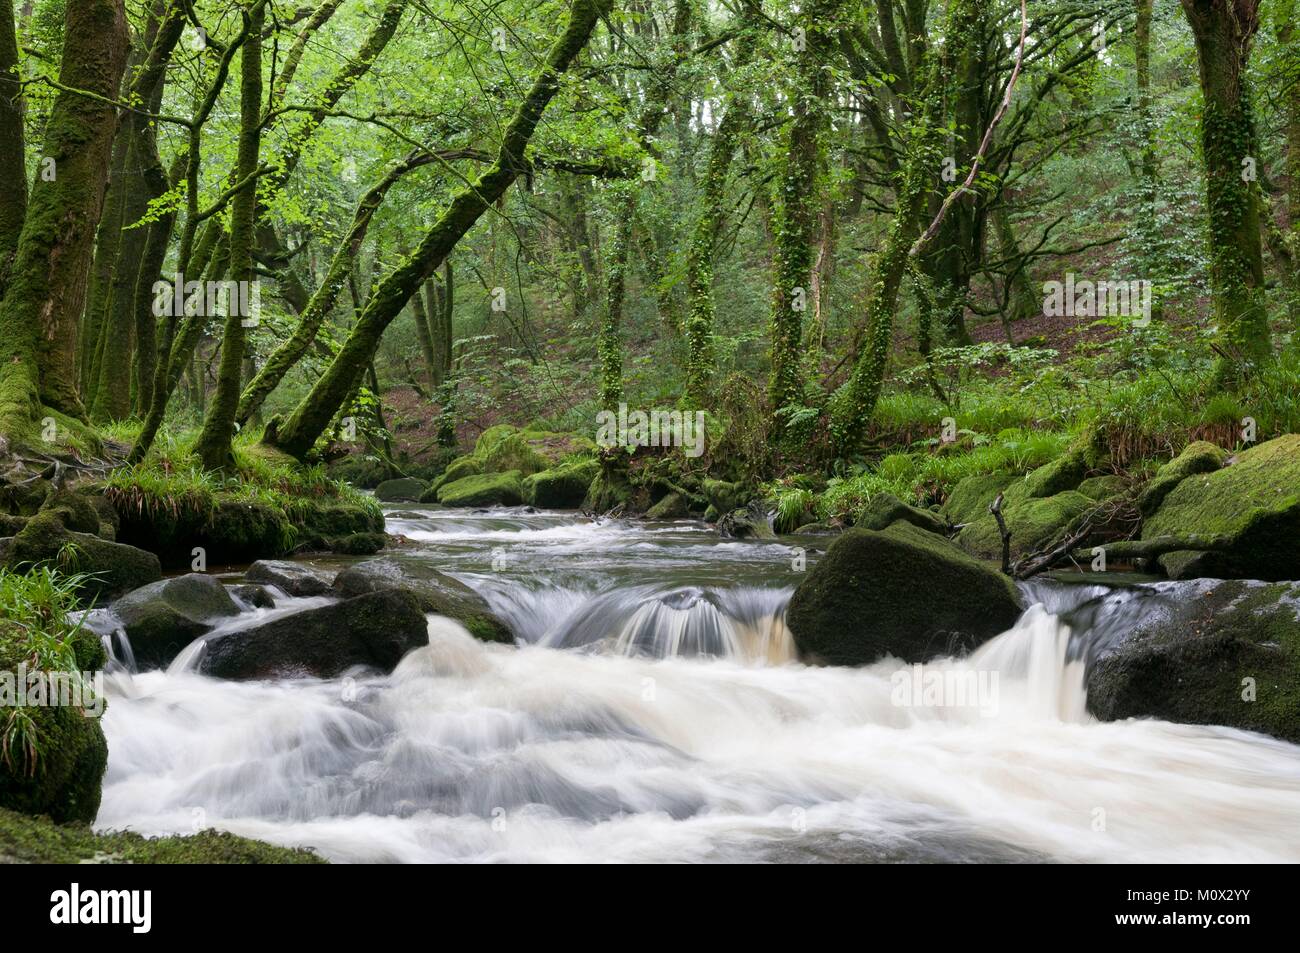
(627, 195)
(853, 403)
(701, 359)
(1285, 15)
(43, 300)
(213, 446)
(13, 150)
(308, 421)
(1223, 30)
(796, 212)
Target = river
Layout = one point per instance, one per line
(655, 712)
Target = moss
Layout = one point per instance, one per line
(1063, 473)
(1197, 457)
(63, 779)
(1100, 488)
(487, 489)
(673, 506)
(359, 544)
(884, 510)
(1032, 522)
(902, 592)
(39, 840)
(111, 568)
(562, 487)
(971, 497)
(1254, 504)
(1190, 664)
(725, 496)
(458, 469)
(609, 490)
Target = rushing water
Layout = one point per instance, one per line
(655, 712)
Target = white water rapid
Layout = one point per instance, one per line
(656, 714)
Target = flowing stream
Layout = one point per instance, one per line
(656, 712)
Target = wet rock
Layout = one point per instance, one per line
(402, 490)
(902, 592)
(163, 617)
(374, 630)
(434, 591)
(252, 595)
(1220, 653)
(293, 579)
(1197, 457)
(750, 522)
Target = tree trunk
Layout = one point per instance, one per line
(13, 147)
(47, 288)
(796, 219)
(213, 445)
(1223, 30)
(309, 420)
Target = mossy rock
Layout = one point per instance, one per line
(71, 752)
(671, 507)
(563, 487)
(458, 469)
(358, 544)
(40, 840)
(74, 511)
(1100, 488)
(1198, 457)
(11, 525)
(902, 592)
(331, 520)
(401, 490)
(434, 591)
(971, 497)
(239, 532)
(1253, 505)
(608, 491)
(885, 509)
(486, 489)
(749, 522)
(1063, 473)
(1033, 522)
(1192, 662)
(111, 568)
(725, 496)
(160, 619)
(503, 448)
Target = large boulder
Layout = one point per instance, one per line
(487, 489)
(374, 630)
(163, 617)
(563, 487)
(1198, 457)
(294, 579)
(902, 592)
(434, 591)
(1219, 653)
(110, 569)
(1250, 509)
(63, 781)
(401, 490)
